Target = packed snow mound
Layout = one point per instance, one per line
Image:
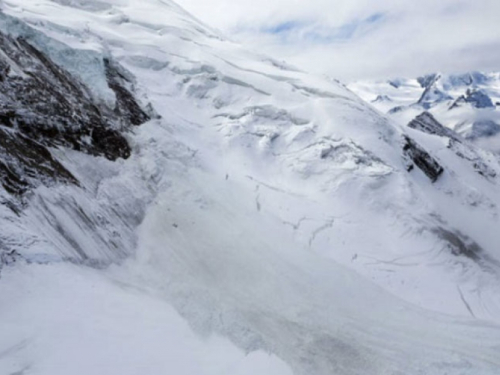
(264, 210)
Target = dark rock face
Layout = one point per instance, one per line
(42, 105)
(126, 107)
(432, 96)
(426, 123)
(25, 163)
(422, 159)
(427, 80)
(476, 98)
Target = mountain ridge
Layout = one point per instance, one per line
(467, 103)
(263, 210)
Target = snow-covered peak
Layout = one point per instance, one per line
(460, 101)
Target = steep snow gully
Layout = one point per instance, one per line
(174, 204)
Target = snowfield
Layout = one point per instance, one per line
(267, 221)
(94, 325)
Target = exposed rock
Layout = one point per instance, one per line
(126, 106)
(422, 159)
(428, 80)
(42, 105)
(25, 163)
(432, 96)
(426, 123)
(477, 98)
(382, 99)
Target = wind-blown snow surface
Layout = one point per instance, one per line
(277, 219)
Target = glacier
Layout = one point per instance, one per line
(259, 219)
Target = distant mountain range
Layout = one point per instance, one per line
(468, 103)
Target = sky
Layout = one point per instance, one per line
(363, 39)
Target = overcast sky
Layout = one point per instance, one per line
(363, 39)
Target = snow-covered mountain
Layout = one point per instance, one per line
(467, 103)
(172, 203)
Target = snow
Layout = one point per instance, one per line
(265, 224)
(86, 64)
(91, 324)
(244, 279)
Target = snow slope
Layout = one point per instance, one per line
(93, 325)
(267, 212)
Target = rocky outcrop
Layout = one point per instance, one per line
(25, 163)
(432, 95)
(417, 156)
(425, 122)
(428, 80)
(42, 105)
(476, 98)
(127, 109)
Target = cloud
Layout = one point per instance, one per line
(297, 30)
(357, 39)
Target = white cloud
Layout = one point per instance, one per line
(353, 39)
